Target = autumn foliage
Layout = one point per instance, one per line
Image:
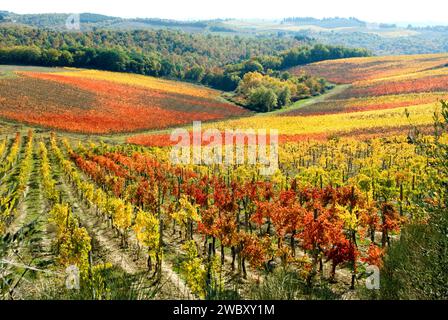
(89, 105)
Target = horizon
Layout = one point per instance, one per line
(233, 9)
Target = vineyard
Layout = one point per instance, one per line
(381, 83)
(94, 102)
(371, 101)
(361, 69)
(201, 232)
(81, 192)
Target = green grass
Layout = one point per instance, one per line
(12, 68)
(7, 74)
(308, 102)
(285, 284)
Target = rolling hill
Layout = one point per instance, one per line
(371, 100)
(88, 101)
(380, 38)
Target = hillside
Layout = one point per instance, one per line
(380, 38)
(85, 181)
(258, 158)
(370, 101)
(103, 102)
(381, 83)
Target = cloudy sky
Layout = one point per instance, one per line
(401, 11)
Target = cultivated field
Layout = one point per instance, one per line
(371, 102)
(120, 212)
(139, 227)
(98, 102)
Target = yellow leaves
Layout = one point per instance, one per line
(26, 165)
(243, 173)
(187, 211)
(123, 216)
(333, 123)
(2, 147)
(12, 156)
(74, 249)
(88, 190)
(73, 242)
(250, 80)
(146, 228)
(100, 199)
(279, 180)
(194, 271)
(144, 81)
(61, 216)
(349, 217)
(312, 176)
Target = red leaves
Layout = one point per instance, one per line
(254, 249)
(255, 220)
(342, 251)
(226, 230)
(390, 218)
(374, 256)
(424, 84)
(87, 105)
(317, 230)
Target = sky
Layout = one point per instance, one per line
(397, 11)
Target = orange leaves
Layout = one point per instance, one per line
(378, 87)
(87, 105)
(390, 218)
(357, 69)
(394, 87)
(342, 251)
(254, 249)
(374, 256)
(318, 230)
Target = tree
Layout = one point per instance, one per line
(252, 66)
(263, 99)
(50, 57)
(65, 59)
(111, 59)
(195, 73)
(284, 98)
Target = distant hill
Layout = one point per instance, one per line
(56, 20)
(379, 38)
(90, 21)
(326, 22)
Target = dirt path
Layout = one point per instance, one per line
(310, 101)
